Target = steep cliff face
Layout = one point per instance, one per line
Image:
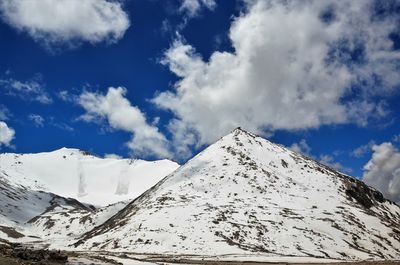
(246, 195)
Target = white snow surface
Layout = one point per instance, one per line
(72, 173)
(243, 196)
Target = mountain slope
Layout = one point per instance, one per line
(245, 195)
(48, 197)
(79, 175)
(19, 204)
(60, 225)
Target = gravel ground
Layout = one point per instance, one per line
(84, 259)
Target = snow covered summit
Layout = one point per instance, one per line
(73, 173)
(247, 196)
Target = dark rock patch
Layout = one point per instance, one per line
(364, 195)
(11, 232)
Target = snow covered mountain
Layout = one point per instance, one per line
(76, 174)
(56, 195)
(241, 197)
(244, 195)
(19, 204)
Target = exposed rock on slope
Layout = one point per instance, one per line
(19, 204)
(64, 223)
(245, 195)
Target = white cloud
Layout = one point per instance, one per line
(30, 90)
(63, 126)
(383, 170)
(192, 7)
(301, 147)
(67, 21)
(290, 70)
(120, 114)
(37, 120)
(396, 138)
(363, 149)
(6, 134)
(4, 113)
(64, 95)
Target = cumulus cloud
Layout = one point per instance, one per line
(296, 65)
(67, 21)
(29, 90)
(6, 134)
(383, 170)
(121, 115)
(37, 120)
(192, 7)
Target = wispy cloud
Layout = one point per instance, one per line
(302, 147)
(363, 149)
(187, 10)
(63, 126)
(37, 120)
(67, 96)
(4, 113)
(29, 90)
(330, 161)
(192, 7)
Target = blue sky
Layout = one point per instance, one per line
(154, 79)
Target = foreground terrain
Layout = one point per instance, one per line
(17, 254)
(73, 258)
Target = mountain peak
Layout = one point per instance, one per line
(244, 194)
(239, 130)
(241, 195)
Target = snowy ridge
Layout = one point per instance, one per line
(49, 196)
(79, 175)
(244, 195)
(19, 204)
